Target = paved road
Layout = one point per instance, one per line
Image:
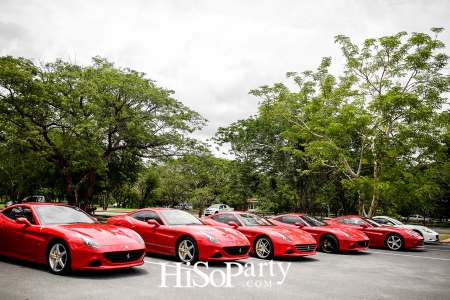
(373, 274)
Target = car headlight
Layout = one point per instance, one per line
(412, 233)
(88, 242)
(426, 230)
(141, 240)
(211, 238)
(347, 235)
(283, 237)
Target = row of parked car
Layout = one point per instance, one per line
(77, 241)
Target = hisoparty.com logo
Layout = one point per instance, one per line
(260, 275)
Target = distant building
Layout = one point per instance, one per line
(252, 204)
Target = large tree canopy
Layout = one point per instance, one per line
(383, 112)
(76, 117)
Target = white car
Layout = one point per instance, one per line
(217, 208)
(427, 234)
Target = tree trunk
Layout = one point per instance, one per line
(90, 190)
(362, 211)
(373, 206)
(70, 191)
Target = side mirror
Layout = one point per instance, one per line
(153, 222)
(299, 225)
(233, 224)
(23, 221)
(363, 225)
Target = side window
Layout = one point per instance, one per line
(225, 218)
(16, 212)
(29, 215)
(151, 215)
(354, 221)
(290, 220)
(7, 213)
(138, 216)
(383, 221)
(20, 212)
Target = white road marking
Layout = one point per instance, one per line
(437, 250)
(407, 255)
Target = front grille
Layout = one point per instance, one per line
(363, 243)
(305, 248)
(236, 250)
(123, 256)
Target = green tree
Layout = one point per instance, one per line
(77, 117)
(200, 179)
(382, 111)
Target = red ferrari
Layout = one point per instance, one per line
(66, 238)
(267, 240)
(329, 238)
(380, 236)
(178, 233)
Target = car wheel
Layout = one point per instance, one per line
(187, 250)
(264, 247)
(329, 244)
(58, 258)
(394, 242)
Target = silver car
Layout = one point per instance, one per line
(427, 234)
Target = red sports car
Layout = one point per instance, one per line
(267, 240)
(329, 238)
(382, 236)
(178, 233)
(66, 238)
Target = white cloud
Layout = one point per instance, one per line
(211, 53)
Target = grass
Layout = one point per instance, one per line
(444, 236)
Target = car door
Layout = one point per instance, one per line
(146, 230)
(163, 235)
(23, 240)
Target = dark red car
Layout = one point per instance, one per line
(382, 236)
(178, 233)
(329, 238)
(267, 239)
(66, 238)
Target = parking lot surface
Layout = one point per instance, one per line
(373, 274)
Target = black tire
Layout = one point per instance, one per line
(58, 258)
(394, 242)
(187, 250)
(263, 247)
(329, 244)
(216, 212)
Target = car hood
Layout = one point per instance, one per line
(355, 233)
(417, 227)
(297, 236)
(227, 236)
(102, 234)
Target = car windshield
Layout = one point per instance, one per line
(372, 222)
(52, 215)
(313, 221)
(254, 220)
(179, 217)
(214, 205)
(394, 221)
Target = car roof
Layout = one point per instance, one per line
(291, 214)
(40, 204)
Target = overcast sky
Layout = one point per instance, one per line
(210, 52)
